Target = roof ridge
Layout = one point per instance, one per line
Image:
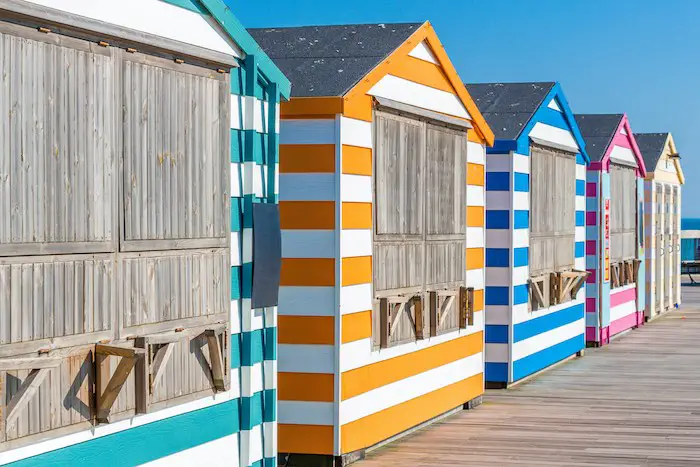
(407, 23)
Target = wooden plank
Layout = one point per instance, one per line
(106, 399)
(159, 363)
(24, 395)
(216, 360)
(116, 351)
(11, 364)
(384, 323)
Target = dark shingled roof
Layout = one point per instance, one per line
(507, 107)
(329, 60)
(598, 131)
(651, 145)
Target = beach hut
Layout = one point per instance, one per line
(381, 196)
(662, 221)
(535, 267)
(138, 149)
(614, 227)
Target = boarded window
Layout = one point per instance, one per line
(552, 210)
(623, 212)
(420, 209)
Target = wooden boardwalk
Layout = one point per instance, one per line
(634, 402)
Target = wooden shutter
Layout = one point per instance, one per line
(623, 212)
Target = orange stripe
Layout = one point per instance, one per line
(367, 378)
(357, 270)
(307, 158)
(313, 215)
(313, 272)
(357, 161)
(357, 326)
(310, 387)
(421, 72)
(305, 439)
(476, 137)
(358, 106)
(475, 258)
(357, 215)
(377, 427)
(311, 106)
(479, 300)
(475, 216)
(318, 330)
(475, 174)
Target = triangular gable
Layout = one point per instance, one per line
(665, 162)
(423, 52)
(398, 64)
(623, 147)
(554, 105)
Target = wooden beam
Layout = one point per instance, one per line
(445, 308)
(116, 351)
(384, 323)
(36, 363)
(433, 310)
(218, 371)
(160, 361)
(106, 398)
(24, 395)
(470, 306)
(420, 320)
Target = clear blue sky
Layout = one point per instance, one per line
(641, 57)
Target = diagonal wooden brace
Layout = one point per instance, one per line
(108, 388)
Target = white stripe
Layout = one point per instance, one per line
(235, 249)
(580, 264)
(356, 188)
(251, 445)
(409, 388)
(521, 201)
(623, 155)
(498, 315)
(553, 136)
(306, 301)
(580, 203)
(548, 339)
(237, 111)
(308, 244)
(521, 164)
(522, 313)
(297, 358)
(270, 429)
(499, 163)
(307, 187)
(498, 238)
(580, 172)
(221, 452)
(521, 238)
(521, 275)
(270, 374)
(419, 95)
(498, 200)
(359, 353)
(355, 132)
(251, 319)
(475, 278)
(355, 243)
(498, 277)
(553, 105)
(623, 310)
(236, 180)
(475, 237)
(247, 246)
(235, 317)
(307, 132)
(580, 234)
(305, 413)
(253, 176)
(475, 195)
(251, 379)
(354, 298)
(422, 51)
(476, 153)
(496, 353)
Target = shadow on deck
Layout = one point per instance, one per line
(634, 402)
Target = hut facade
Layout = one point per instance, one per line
(662, 221)
(139, 147)
(535, 267)
(614, 227)
(382, 209)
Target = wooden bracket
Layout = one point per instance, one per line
(108, 388)
(390, 311)
(556, 288)
(615, 275)
(539, 291)
(217, 343)
(466, 307)
(39, 368)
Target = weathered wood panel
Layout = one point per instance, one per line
(445, 264)
(174, 286)
(623, 212)
(398, 265)
(175, 133)
(53, 297)
(57, 145)
(552, 210)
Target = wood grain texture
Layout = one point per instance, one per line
(631, 403)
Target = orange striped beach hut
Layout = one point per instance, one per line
(382, 152)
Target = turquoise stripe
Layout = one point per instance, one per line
(247, 280)
(238, 144)
(146, 443)
(252, 409)
(235, 351)
(267, 462)
(191, 5)
(236, 214)
(235, 282)
(252, 347)
(270, 350)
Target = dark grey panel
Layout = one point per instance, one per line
(598, 131)
(651, 145)
(267, 255)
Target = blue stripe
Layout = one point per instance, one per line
(548, 322)
(235, 351)
(521, 257)
(270, 349)
(247, 280)
(502, 146)
(236, 214)
(496, 372)
(544, 358)
(580, 160)
(521, 219)
(235, 282)
(497, 181)
(238, 144)
(521, 182)
(552, 117)
(580, 188)
(580, 218)
(266, 462)
(146, 443)
(252, 413)
(497, 219)
(252, 345)
(580, 249)
(496, 334)
(497, 257)
(520, 294)
(496, 295)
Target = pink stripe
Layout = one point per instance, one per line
(591, 247)
(591, 276)
(605, 335)
(625, 296)
(591, 189)
(596, 166)
(590, 305)
(591, 218)
(591, 334)
(623, 324)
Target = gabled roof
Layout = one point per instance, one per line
(598, 130)
(508, 107)
(651, 145)
(325, 61)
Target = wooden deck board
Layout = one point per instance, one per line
(635, 402)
